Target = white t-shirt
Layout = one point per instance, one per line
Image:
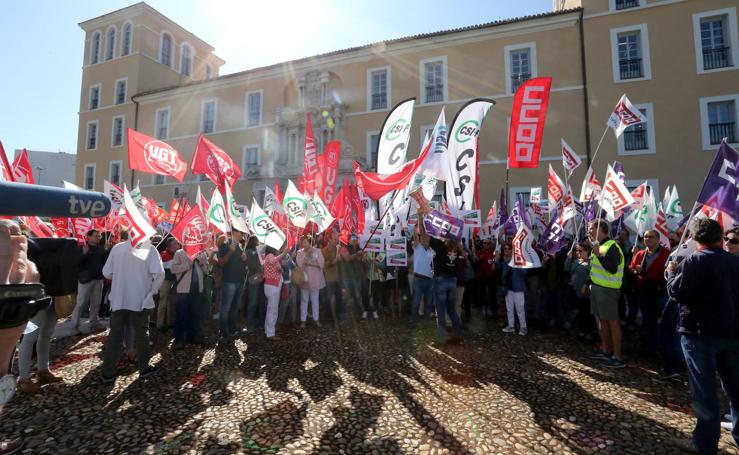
(136, 275)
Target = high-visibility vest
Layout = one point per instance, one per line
(599, 275)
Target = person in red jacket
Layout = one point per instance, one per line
(648, 268)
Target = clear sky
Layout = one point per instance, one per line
(42, 45)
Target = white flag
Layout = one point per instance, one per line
(614, 196)
(71, 186)
(271, 204)
(115, 194)
(319, 213)
(674, 209)
(234, 216)
(295, 205)
(555, 190)
(139, 227)
(590, 186)
(264, 228)
(570, 159)
(217, 212)
(524, 256)
(624, 115)
(436, 163)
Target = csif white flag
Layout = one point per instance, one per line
(271, 204)
(462, 154)
(233, 213)
(436, 163)
(624, 115)
(295, 205)
(319, 213)
(217, 212)
(264, 228)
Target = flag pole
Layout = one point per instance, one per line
(595, 154)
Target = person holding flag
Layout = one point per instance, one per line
(272, 286)
(232, 261)
(90, 281)
(189, 286)
(606, 276)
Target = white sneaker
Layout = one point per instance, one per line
(509, 330)
(375, 315)
(523, 332)
(364, 315)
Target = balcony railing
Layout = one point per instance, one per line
(717, 57)
(379, 100)
(635, 140)
(624, 4)
(518, 79)
(630, 69)
(719, 131)
(434, 93)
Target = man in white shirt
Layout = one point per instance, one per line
(136, 274)
(423, 276)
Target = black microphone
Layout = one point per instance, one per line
(21, 199)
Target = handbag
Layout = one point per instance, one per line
(64, 305)
(257, 278)
(299, 277)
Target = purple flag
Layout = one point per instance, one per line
(553, 238)
(590, 210)
(519, 215)
(503, 210)
(443, 226)
(618, 168)
(723, 174)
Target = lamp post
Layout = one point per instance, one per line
(40, 172)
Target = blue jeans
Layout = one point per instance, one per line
(230, 300)
(187, 320)
(704, 357)
(256, 311)
(422, 289)
(445, 289)
(669, 340)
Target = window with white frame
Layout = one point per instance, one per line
(208, 117)
(95, 48)
(253, 108)
(373, 140)
(185, 59)
(618, 5)
(433, 79)
(110, 44)
(91, 141)
(116, 139)
(719, 120)
(639, 139)
(161, 129)
(126, 38)
(121, 90)
(114, 172)
(379, 88)
(165, 49)
(630, 53)
(716, 40)
(251, 156)
(520, 65)
(89, 182)
(94, 101)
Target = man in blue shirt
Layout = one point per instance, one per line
(706, 288)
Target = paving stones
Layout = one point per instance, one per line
(368, 388)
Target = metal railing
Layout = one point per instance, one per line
(379, 100)
(630, 69)
(518, 79)
(635, 140)
(717, 57)
(434, 93)
(624, 4)
(719, 131)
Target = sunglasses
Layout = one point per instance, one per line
(732, 240)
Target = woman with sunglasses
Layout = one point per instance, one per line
(731, 240)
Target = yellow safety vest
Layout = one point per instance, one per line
(599, 275)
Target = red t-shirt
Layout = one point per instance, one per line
(486, 264)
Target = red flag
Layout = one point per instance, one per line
(182, 209)
(330, 172)
(357, 206)
(156, 213)
(22, 169)
(318, 181)
(301, 184)
(80, 227)
(337, 208)
(191, 232)
(310, 161)
(278, 192)
(37, 227)
(204, 204)
(216, 164)
(154, 156)
(527, 122)
(6, 172)
(376, 185)
(61, 227)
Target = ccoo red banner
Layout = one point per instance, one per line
(527, 122)
(154, 156)
(330, 171)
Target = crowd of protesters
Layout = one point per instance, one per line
(602, 289)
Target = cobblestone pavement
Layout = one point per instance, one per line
(375, 387)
